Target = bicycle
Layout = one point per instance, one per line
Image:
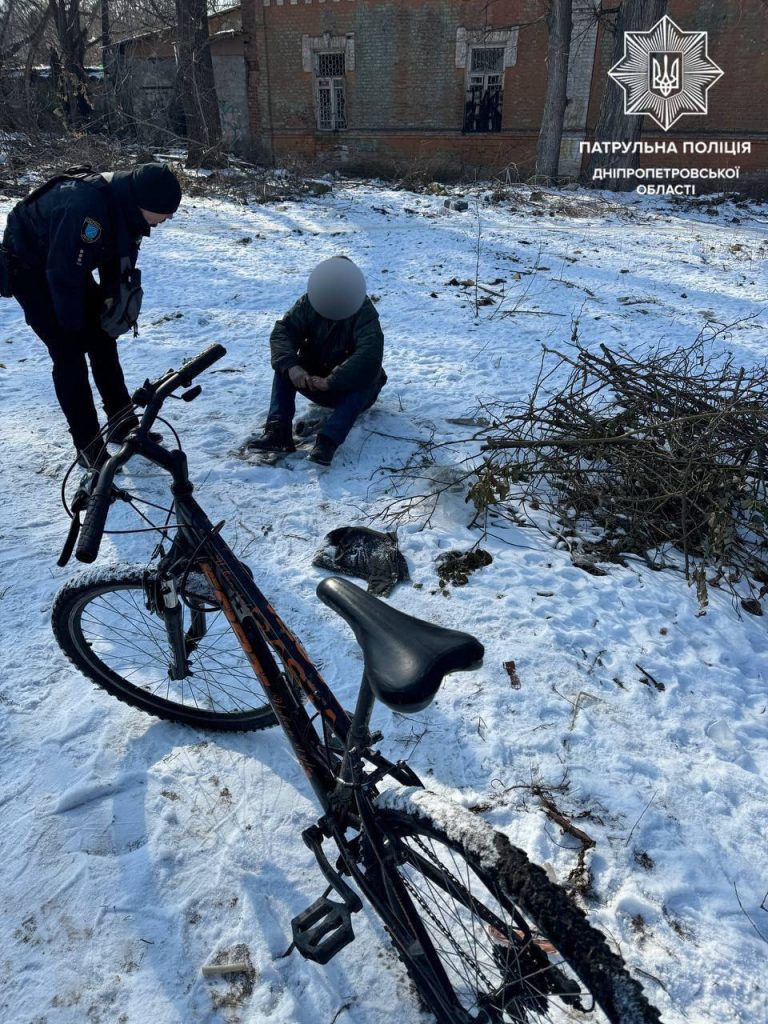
(484, 934)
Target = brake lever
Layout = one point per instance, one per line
(79, 503)
(143, 395)
(187, 396)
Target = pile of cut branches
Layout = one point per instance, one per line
(640, 455)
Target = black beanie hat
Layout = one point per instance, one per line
(156, 188)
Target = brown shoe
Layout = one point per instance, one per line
(323, 451)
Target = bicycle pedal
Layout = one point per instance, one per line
(320, 931)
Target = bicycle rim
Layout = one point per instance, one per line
(106, 629)
(503, 967)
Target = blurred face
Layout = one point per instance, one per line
(153, 219)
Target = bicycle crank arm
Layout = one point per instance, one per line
(320, 931)
(313, 837)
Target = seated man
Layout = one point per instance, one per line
(329, 348)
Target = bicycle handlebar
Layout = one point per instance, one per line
(198, 364)
(96, 515)
(151, 394)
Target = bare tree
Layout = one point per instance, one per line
(68, 59)
(21, 23)
(614, 125)
(198, 89)
(559, 20)
(24, 25)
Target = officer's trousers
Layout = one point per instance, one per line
(68, 350)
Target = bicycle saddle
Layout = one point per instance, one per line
(405, 658)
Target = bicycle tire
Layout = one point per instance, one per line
(226, 696)
(517, 947)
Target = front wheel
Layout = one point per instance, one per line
(103, 625)
(512, 945)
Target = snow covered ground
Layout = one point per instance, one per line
(133, 851)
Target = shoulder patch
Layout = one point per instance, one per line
(91, 230)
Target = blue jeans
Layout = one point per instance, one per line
(346, 405)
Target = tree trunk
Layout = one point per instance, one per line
(69, 63)
(201, 105)
(551, 132)
(108, 62)
(614, 125)
(34, 45)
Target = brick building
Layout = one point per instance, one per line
(456, 87)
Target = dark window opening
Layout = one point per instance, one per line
(483, 104)
(329, 91)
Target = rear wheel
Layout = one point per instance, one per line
(103, 625)
(514, 947)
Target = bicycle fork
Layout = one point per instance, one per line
(162, 598)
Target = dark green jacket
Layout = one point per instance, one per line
(347, 352)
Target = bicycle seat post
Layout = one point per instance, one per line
(359, 736)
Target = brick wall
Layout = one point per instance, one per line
(405, 95)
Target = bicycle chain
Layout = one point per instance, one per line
(441, 927)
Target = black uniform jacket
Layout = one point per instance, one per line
(348, 352)
(70, 231)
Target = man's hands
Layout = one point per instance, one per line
(299, 377)
(304, 382)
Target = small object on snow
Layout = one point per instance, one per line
(241, 967)
(367, 554)
(514, 678)
(455, 566)
(648, 680)
(468, 421)
(752, 606)
(460, 205)
(319, 188)
(583, 561)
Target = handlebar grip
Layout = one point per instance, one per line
(95, 520)
(195, 366)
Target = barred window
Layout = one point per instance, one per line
(330, 65)
(487, 59)
(485, 87)
(330, 97)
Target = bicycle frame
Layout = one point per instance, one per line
(333, 747)
(335, 772)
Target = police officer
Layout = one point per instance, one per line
(54, 241)
(328, 347)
